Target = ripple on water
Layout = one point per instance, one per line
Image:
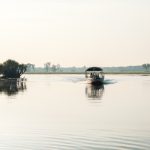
(94, 140)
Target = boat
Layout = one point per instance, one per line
(94, 75)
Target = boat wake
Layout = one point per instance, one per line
(75, 79)
(109, 81)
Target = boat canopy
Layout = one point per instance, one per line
(95, 69)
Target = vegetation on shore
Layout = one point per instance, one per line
(78, 73)
(12, 69)
(49, 69)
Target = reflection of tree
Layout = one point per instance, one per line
(94, 91)
(11, 86)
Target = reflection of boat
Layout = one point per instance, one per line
(94, 75)
(12, 86)
(94, 91)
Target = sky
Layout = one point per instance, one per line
(75, 32)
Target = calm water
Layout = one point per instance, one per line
(62, 112)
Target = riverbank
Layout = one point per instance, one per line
(131, 73)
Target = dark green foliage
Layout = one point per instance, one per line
(12, 69)
(1, 68)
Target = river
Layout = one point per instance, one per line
(64, 112)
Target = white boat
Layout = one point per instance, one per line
(94, 75)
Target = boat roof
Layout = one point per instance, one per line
(94, 69)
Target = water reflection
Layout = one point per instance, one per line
(94, 92)
(11, 87)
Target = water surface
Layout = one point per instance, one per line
(63, 112)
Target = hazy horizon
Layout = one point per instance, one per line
(75, 33)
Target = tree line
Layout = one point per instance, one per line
(13, 69)
(48, 67)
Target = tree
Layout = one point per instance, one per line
(1, 68)
(30, 67)
(54, 68)
(58, 67)
(12, 69)
(146, 66)
(47, 66)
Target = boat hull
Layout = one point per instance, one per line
(95, 81)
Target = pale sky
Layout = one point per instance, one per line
(75, 32)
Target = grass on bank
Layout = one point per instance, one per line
(140, 73)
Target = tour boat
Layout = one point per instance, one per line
(94, 75)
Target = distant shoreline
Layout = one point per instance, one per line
(78, 73)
